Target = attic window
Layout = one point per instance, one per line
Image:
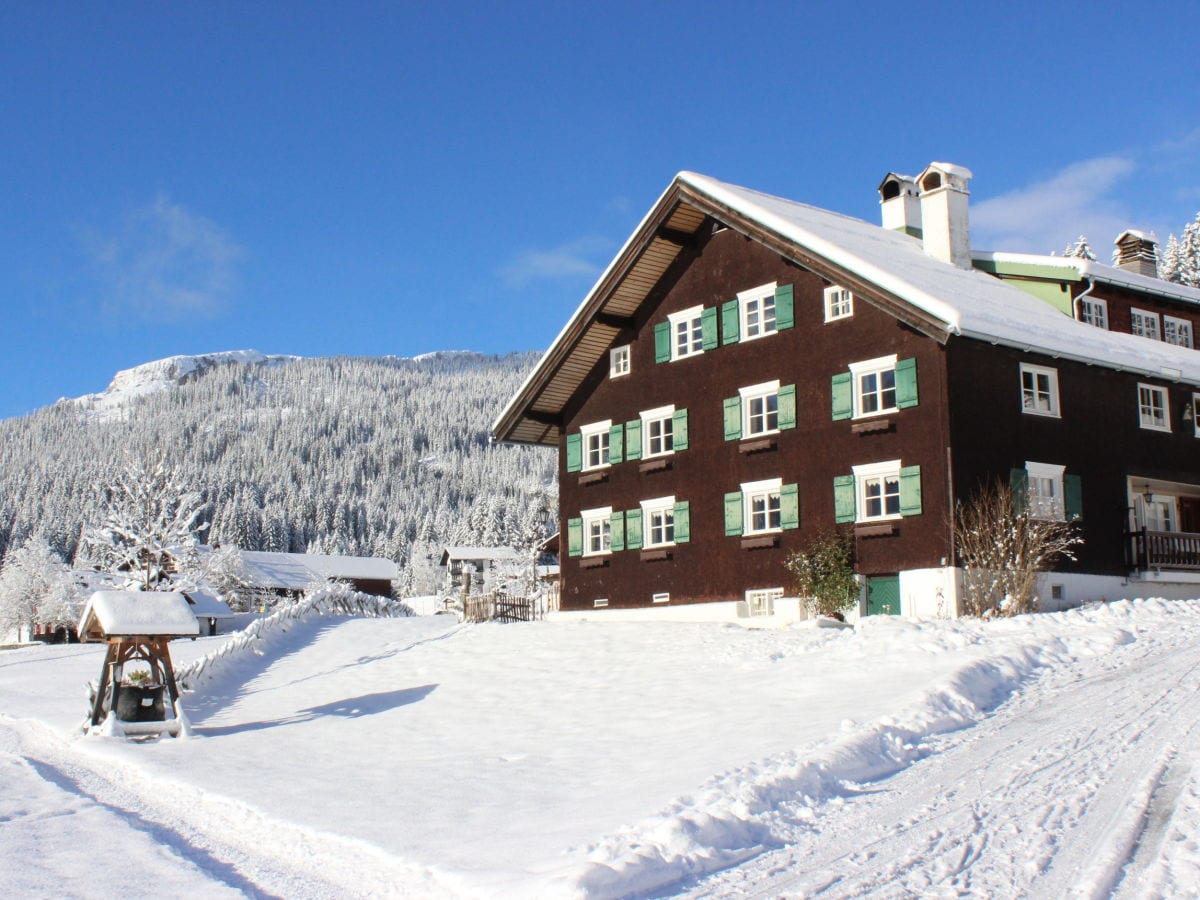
(932, 181)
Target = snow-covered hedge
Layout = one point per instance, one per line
(258, 637)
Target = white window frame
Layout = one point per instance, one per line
(1150, 422)
(877, 367)
(766, 490)
(839, 303)
(664, 597)
(761, 601)
(600, 603)
(618, 361)
(662, 414)
(664, 506)
(1030, 397)
(598, 431)
(1094, 311)
(601, 518)
(754, 301)
(1159, 502)
(1196, 414)
(864, 476)
(1145, 324)
(764, 392)
(693, 319)
(1182, 328)
(1044, 491)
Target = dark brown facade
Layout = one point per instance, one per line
(712, 566)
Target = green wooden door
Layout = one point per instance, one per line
(883, 595)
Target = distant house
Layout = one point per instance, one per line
(476, 568)
(289, 574)
(213, 613)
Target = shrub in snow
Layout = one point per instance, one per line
(1002, 546)
(824, 573)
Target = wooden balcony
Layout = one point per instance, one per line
(1149, 550)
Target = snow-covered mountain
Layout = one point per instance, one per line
(337, 455)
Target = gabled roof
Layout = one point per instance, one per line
(491, 553)
(886, 268)
(136, 614)
(297, 571)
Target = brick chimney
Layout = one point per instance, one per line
(899, 204)
(945, 231)
(1136, 253)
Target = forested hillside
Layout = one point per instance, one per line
(337, 455)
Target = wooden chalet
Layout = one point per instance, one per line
(750, 371)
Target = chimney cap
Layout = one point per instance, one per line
(1147, 236)
(944, 175)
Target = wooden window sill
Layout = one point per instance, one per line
(757, 446)
(593, 478)
(593, 562)
(876, 529)
(871, 426)
(654, 465)
(760, 541)
(655, 555)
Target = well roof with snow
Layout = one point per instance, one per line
(111, 614)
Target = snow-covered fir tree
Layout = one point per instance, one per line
(1079, 249)
(1180, 258)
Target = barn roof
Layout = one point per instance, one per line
(137, 614)
(884, 267)
(296, 571)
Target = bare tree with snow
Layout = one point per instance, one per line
(36, 588)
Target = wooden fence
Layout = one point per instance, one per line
(501, 607)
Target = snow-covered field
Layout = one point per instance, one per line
(1042, 756)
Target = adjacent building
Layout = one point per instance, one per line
(750, 371)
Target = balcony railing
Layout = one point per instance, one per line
(1163, 550)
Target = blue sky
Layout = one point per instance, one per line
(371, 178)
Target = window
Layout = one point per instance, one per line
(839, 303)
(660, 598)
(761, 602)
(1158, 512)
(595, 444)
(600, 602)
(1094, 311)
(878, 490)
(687, 332)
(760, 409)
(597, 531)
(658, 522)
(618, 361)
(1039, 390)
(874, 386)
(1153, 409)
(1177, 331)
(1143, 323)
(658, 431)
(1044, 489)
(757, 309)
(1196, 415)
(762, 506)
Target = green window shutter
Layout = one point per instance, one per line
(785, 315)
(679, 430)
(574, 452)
(662, 342)
(1018, 483)
(843, 396)
(843, 498)
(733, 513)
(910, 491)
(789, 506)
(906, 383)
(633, 529)
(1073, 496)
(616, 525)
(733, 418)
(683, 522)
(787, 406)
(616, 444)
(633, 439)
(731, 324)
(708, 327)
(574, 537)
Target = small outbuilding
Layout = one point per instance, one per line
(136, 693)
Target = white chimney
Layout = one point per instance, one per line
(945, 231)
(899, 204)
(1136, 252)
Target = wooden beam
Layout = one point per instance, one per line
(613, 321)
(543, 418)
(675, 236)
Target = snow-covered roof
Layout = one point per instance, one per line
(890, 267)
(1075, 268)
(205, 605)
(137, 613)
(296, 571)
(479, 553)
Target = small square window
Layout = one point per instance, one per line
(687, 332)
(1094, 311)
(1154, 410)
(595, 445)
(658, 522)
(762, 602)
(874, 386)
(1045, 491)
(1144, 323)
(618, 361)
(1177, 331)
(878, 491)
(597, 531)
(761, 505)
(757, 310)
(1039, 390)
(760, 409)
(839, 303)
(658, 431)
